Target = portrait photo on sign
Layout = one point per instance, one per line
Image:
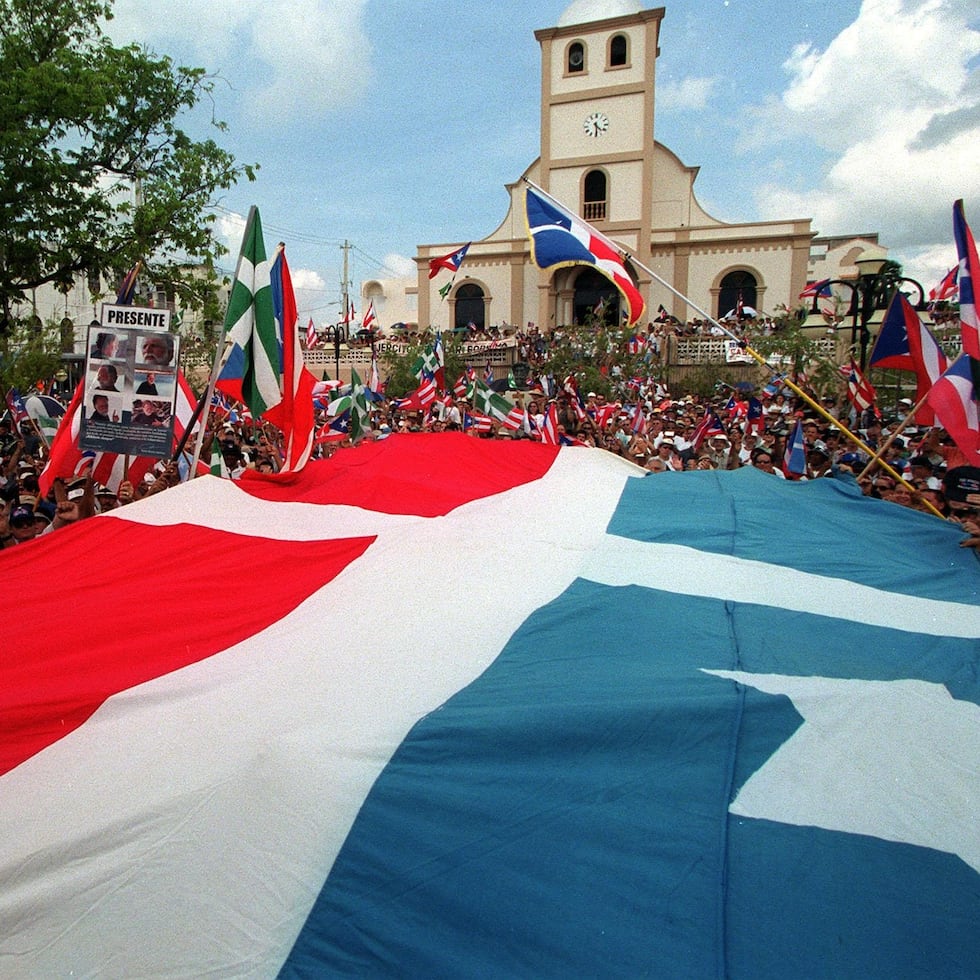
(106, 377)
(149, 412)
(103, 406)
(154, 383)
(156, 349)
(108, 346)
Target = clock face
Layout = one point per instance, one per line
(596, 123)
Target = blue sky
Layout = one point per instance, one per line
(394, 123)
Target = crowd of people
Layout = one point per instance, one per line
(639, 420)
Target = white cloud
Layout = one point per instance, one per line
(323, 63)
(400, 265)
(307, 279)
(887, 115)
(584, 11)
(229, 230)
(688, 94)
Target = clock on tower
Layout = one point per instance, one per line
(596, 123)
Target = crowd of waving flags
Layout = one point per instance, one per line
(262, 367)
(560, 238)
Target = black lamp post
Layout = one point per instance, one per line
(871, 291)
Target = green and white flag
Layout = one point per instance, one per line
(249, 369)
(218, 465)
(360, 414)
(487, 401)
(426, 363)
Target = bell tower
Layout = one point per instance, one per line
(597, 114)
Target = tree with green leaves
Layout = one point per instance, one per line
(32, 355)
(95, 170)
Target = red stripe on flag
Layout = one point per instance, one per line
(53, 680)
(413, 474)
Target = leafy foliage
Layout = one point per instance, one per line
(95, 172)
(29, 354)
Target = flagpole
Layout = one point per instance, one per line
(204, 405)
(887, 444)
(799, 392)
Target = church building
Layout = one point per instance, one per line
(599, 157)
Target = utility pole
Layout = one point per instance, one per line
(344, 289)
(345, 319)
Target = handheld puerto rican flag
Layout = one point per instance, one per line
(451, 261)
(17, 407)
(948, 287)
(820, 287)
(860, 391)
(312, 338)
(370, 317)
(709, 426)
(969, 282)
(420, 399)
(794, 455)
(954, 400)
(905, 343)
(559, 238)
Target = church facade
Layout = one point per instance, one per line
(600, 158)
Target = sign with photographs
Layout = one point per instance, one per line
(130, 383)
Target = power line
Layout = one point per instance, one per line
(307, 239)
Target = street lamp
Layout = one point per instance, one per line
(871, 291)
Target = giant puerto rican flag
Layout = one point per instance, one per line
(441, 706)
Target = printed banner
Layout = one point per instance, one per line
(130, 383)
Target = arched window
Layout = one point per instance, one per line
(594, 191)
(470, 305)
(618, 51)
(576, 57)
(596, 299)
(737, 288)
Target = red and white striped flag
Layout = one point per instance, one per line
(515, 418)
(860, 391)
(549, 431)
(969, 277)
(312, 340)
(370, 317)
(294, 413)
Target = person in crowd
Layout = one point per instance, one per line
(762, 459)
